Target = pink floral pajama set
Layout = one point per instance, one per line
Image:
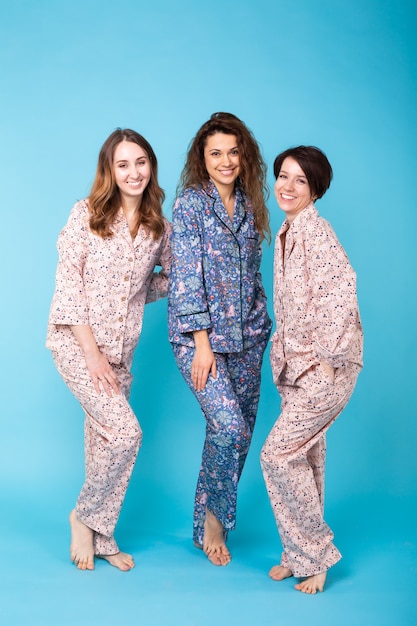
(317, 320)
(104, 283)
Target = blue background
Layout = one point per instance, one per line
(339, 75)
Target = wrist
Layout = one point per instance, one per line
(201, 339)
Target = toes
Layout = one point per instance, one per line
(214, 558)
(124, 567)
(279, 572)
(82, 563)
(312, 584)
(218, 555)
(122, 561)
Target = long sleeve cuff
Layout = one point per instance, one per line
(193, 322)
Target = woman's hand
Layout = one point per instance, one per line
(100, 370)
(101, 373)
(204, 362)
(328, 369)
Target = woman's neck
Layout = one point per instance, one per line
(227, 196)
(130, 208)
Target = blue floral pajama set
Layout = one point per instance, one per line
(215, 285)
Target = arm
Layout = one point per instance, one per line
(187, 288)
(69, 305)
(260, 297)
(336, 315)
(204, 362)
(158, 287)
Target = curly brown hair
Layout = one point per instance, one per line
(252, 177)
(104, 198)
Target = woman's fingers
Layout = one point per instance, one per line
(106, 381)
(199, 378)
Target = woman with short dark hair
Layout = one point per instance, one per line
(316, 356)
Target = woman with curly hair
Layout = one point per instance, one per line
(108, 252)
(218, 320)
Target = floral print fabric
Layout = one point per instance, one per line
(104, 283)
(229, 404)
(215, 283)
(315, 302)
(112, 437)
(293, 461)
(317, 320)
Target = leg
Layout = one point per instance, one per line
(112, 439)
(82, 543)
(227, 442)
(293, 465)
(245, 376)
(316, 457)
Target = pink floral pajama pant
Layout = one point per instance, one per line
(293, 460)
(112, 438)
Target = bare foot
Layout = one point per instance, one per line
(121, 560)
(279, 572)
(81, 548)
(312, 583)
(213, 544)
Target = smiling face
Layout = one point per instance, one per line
(132, 170)
(222, 161)
(291, 189)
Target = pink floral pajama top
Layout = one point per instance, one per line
(315, 302)
(105, 283)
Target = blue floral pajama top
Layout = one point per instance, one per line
(215, 282)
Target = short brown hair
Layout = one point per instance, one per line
(314, 164)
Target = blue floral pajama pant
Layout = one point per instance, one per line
(229, 404)
(293, 460)
(112, 437)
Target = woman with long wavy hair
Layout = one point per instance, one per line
(108, 254)
(218, 320)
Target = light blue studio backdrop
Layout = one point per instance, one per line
(339, 75)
